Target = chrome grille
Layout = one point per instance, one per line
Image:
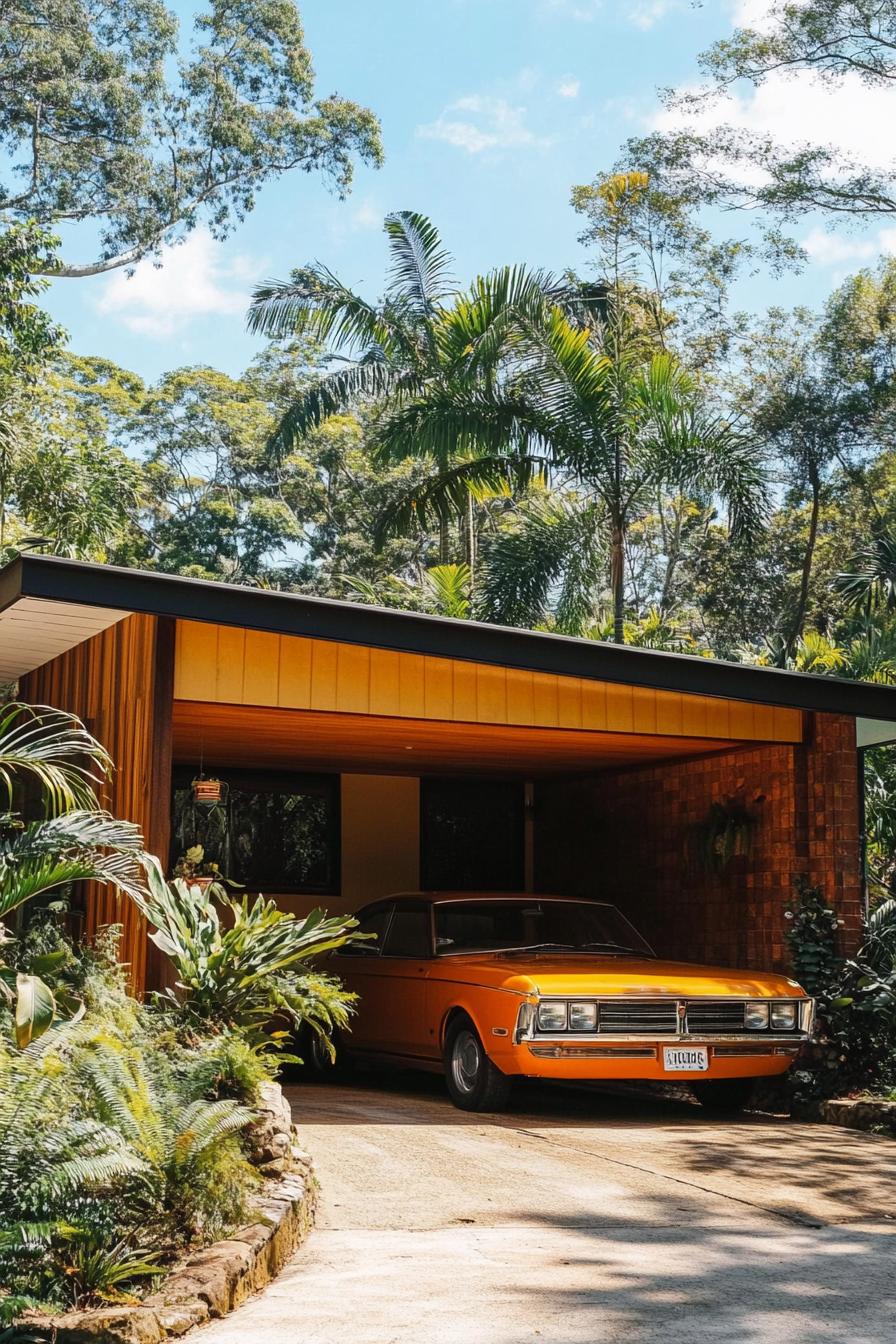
(715, 1015)
(644, 1017)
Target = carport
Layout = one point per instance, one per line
(363, 751)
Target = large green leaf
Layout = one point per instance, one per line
(35, 1009)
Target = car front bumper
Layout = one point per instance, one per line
(587, 1058)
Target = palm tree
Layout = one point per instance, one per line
(574, 402)
(871, 579)
(75, 840)
(422, 336)
(381, 348)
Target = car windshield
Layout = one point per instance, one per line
(535, 925)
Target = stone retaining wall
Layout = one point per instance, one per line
(218, 1278)
(874, 1116)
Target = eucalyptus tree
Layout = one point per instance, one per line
(842, 43)
(109, 115)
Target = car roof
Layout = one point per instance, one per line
(441, 897)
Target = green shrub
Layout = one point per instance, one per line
(855, 1047)
(242, 971)
(119, 1148)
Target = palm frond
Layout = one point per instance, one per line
(420, 267)
(445, 493)
(55, 750)
(448, 589)
(315, 303)
(871, 578)
(334, 394)
(72, 847)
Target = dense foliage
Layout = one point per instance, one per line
(119, 1149)
(242, 963)
(855, 1048)
(123, 1122)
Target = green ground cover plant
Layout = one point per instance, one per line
(124, 1122)
(855, 1050)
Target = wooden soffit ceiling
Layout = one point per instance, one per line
(247, 736)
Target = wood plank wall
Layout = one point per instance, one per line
(120, 683)
(223, 664)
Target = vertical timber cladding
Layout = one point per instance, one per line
(120, 683)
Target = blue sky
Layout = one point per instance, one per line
(491, 111)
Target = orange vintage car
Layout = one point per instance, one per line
(488, 988)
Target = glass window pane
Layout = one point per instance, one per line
(375, 922)
(483, 926)
(408, 934)
(272, 833)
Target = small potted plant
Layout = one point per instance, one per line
(197, 871)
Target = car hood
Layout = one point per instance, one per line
(602, 975)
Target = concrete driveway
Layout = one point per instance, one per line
(580, 1218)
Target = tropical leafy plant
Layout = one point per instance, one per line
(242, 970)
(116, 1151)
(75, 839)
(726, 833)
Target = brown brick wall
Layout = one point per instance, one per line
(625, 835)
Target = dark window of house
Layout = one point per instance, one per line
(374, 922)
(471, 835)
(409, 933)
(272, 832)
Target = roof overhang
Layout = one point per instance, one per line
(78, 599)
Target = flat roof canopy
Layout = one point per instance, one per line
(49, 604)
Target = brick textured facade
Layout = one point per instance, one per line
(626, 835)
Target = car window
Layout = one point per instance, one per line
(408, 934)
(530, 922)
(375, 921)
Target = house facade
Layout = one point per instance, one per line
(363, 751)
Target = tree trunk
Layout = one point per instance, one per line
(617, 582)
(444, 540)
(799, 617)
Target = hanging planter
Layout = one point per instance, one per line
(727, 833)
(208, 791)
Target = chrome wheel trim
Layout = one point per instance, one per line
(466, 1061)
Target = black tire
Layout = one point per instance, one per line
(317, 1058)
(726, 1096)
(474, 1082)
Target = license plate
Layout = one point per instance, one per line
(685, 1059)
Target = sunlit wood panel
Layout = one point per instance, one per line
(230, 666)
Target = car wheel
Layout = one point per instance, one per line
(474, 1082)
(727, 1096)
(318, 1059)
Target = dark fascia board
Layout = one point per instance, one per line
(78, 582)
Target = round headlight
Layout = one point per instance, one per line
(552, 1017)
(783, 1016)
(756, 1016)
(583, 1017)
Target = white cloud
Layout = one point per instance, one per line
(829, 249)
(481, 122)
(801, 108)
(367, 215)
(645, 13)
(569, 87)
(584, 11)
(193, 281)
(753, 13)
